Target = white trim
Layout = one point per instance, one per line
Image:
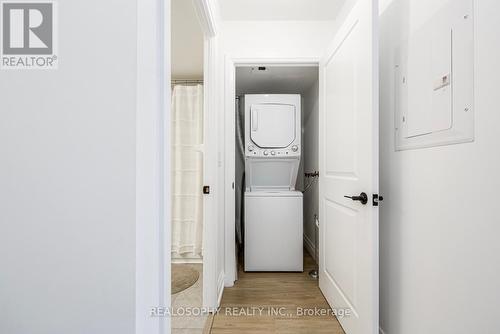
(309, 245)
(210, 177)
(229, 174)
(230, 266)
(220, 288)
(302, 62)
(152, 165)
(153, 202)
(189, 260)
(206, 16)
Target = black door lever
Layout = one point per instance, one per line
(363, 198)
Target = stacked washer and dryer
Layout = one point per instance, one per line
(273, 207)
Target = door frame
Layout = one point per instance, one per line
(207, 19)
(153, 162)
(230, 64)
(152, 260)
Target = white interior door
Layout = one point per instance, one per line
(348, 167)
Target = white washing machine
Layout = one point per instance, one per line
(273, 208)
(273, 231)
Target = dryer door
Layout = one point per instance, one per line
(272, 125)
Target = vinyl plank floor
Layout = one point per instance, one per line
(267, 303)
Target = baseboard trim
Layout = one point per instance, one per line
(220, 288)
(229, 281)
(309, 245)
(187, 260)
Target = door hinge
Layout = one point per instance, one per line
(206, 190)
(377, 199)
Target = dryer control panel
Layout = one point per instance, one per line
(255, 151)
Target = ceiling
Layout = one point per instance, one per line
(275, 80)
(187, 41)
(297, 10)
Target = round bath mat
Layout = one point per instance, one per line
(183, 276)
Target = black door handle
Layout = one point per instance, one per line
(363, 198)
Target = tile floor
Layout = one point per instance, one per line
(189, 298)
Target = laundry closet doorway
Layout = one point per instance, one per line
(278, 132)
(193, 166)
(254, 76)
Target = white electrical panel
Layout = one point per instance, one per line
(434, 80)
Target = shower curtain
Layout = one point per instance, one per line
(187, 178)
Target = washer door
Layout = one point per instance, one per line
(272, 125)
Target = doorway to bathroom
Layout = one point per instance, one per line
(191, 170)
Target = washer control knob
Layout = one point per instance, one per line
(251, 148)
(273, 153)
(266, 153)
(295, 148)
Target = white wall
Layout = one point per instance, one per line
(275, 39)
(187, 41)
(67, 179)
(439, 223)
(310, 147)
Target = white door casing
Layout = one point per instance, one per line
(212, 234)
(349, 166)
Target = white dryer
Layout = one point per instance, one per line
(273, 209)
